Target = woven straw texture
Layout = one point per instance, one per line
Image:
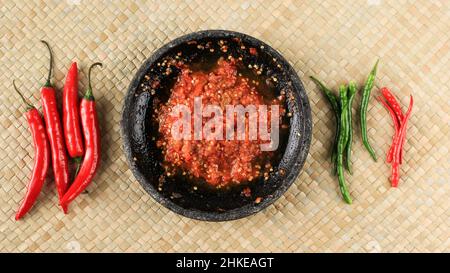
(334, 40)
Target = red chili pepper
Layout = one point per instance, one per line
(41, 157)
(393, 103)
(400, 139)
(55, 134)
(71, 118)
(91, 159)
(396, 128)
(401, 149)
(387, 94)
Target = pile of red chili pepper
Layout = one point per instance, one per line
(400, 120)
(53, 140)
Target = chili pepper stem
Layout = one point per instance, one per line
(48, 83)
(77, 161)
(88, 95)
(27, 102)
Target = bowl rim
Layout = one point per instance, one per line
(244, 211)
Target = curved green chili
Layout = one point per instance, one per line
(333, 100)
(364, 104)
(343, 137)
(348, 148)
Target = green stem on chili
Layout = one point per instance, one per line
(26, 101)
(88, 95)
(47, 83)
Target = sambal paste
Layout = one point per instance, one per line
(218, 162)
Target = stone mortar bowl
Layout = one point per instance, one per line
(139, 131)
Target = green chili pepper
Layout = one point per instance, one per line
(333, 100)
(336, 139)
(364, 104)
(342, 143)
(348, 148)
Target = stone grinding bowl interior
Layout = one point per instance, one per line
(139, 130)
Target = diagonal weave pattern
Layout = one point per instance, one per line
(334, 40)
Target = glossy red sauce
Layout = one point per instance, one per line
(218, 162)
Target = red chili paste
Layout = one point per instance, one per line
(218, 162)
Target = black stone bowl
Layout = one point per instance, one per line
(152, 84)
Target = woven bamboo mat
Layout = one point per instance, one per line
(334, 40)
